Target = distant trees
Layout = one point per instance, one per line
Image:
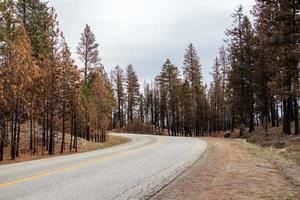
(118, 80)
(216, 99)
(132, 91)
(255, 79)
(169, 104)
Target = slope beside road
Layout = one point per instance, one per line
(135, 170)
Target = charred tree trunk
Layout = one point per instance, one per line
(296, 114)
(273, 112)
(287, 105)
(18, 133)
(2, 136)
(62, 148)
(232, 120)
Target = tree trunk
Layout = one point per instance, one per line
(44, 130)
(296, 114)
(72, 128)
(62, 148)
(30, 129)
(75, 131)
(232, 120)
(273, 113)
(289, 116)
(2, 136)
(18, 135)
(287, 109)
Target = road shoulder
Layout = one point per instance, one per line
(226, 171)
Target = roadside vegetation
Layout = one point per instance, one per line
(83, 145)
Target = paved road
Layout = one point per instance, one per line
(135, 170)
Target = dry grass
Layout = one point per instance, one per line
(83, 146)
(280, 158)
(287, 147)
(265, 152)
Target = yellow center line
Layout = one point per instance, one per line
(78, 165)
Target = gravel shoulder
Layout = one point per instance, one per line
(227, 171)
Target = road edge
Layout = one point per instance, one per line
(203, 155)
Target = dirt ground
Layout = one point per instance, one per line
(289, 146)
(83, 146)
(226, 171)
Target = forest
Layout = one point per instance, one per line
(255, 82)
(41, 86)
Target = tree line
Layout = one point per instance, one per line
(255, 81)
(168, 104)
(41, 86)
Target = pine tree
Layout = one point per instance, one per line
(88, 52)
(18, 71)
(42, 28)
(216, 98)
(265, 69)
(276, 24)
(286, 32)
(69, 78)
(132, 89)
(170, 85)
(36, 18)
(192, 73)
(241, 57)
(186, 100)
(225, 69)
(119, 81)
(102, 104)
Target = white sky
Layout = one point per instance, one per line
(147, 32)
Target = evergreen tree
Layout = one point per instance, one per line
(216, 98)
(18, 72)
(119, 81)
(241, 56)
(133, 92)
(192, 73)
(170, 85)
(88, 52)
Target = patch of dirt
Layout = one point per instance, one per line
(226, 171)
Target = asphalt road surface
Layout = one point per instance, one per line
(135, 170)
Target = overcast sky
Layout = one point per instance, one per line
(147, 32)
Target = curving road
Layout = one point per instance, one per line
(135, 170)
